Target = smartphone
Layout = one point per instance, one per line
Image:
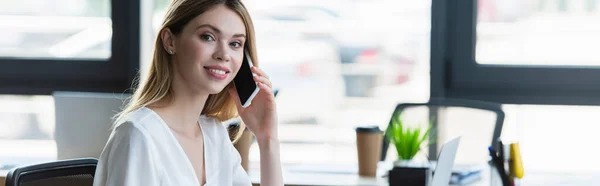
(244, 82)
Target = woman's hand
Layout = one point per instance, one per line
(261, 119)
(261, 116)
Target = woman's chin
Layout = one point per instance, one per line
(210, 88)
(215, 89)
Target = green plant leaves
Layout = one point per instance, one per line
(408, 141)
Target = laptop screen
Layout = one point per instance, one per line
(443, 169)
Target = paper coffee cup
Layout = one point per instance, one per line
(368, 145)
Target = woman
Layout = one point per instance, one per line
(171, 133)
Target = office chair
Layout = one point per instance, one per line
(479, 123)
(73, 172)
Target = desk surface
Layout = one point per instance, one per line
(3, 177)
(294, 176)
(324, 179)
(304, 178)
(532, 178)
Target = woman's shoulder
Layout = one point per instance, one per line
(132, 134)
(137, 123)
(129, 148)
(135, 116)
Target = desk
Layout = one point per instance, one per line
(321, 178)
(303, 179)
(3, 177)
(539, 177)
(309, 179)
(320, 174)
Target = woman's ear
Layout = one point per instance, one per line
(168, 40)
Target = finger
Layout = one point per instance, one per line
(259, 72)
(262, 79)
(234, 95)
(266, 89)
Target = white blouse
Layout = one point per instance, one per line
(143, 151)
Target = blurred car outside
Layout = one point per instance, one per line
(367, 61)
(306, 73)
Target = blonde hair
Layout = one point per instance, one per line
(157, 84)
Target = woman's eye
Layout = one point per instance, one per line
(236, 44)
(207, 37)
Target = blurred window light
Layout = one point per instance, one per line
(538, 32)
(73, 29)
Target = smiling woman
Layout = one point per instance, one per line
(171, 131)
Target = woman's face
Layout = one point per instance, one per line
(209, 50)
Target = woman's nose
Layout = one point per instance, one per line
(222, 54)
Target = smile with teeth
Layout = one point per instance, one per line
(221, 72)
(217, 73)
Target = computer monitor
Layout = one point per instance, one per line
(83, 122)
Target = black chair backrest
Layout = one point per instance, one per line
(440, 102)
(74, 172)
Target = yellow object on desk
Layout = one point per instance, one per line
(517, 163)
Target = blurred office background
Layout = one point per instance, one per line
(338, 64)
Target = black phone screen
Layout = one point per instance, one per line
(244, 82)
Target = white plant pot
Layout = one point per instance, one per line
(411, 163)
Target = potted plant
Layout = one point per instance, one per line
(408, 141)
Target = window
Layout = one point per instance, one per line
(58, 45)
(336, 69)
(521, 52)
(56, 29)
(74, 45)
(565, 129)
(26, 130)
(534, 56)
(533, 32)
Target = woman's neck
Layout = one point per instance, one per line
(181, 110)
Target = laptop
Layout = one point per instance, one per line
(83, 121)
(443, 169)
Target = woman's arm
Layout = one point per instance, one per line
(127, 159)
(270, 164)
(261, 119)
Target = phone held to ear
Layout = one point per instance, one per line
(244, 82)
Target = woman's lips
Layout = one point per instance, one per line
(217, 73)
